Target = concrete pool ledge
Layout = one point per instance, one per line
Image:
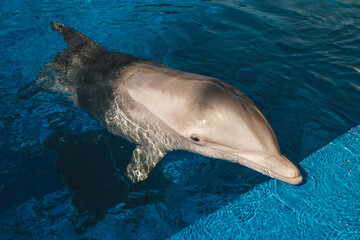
(326, 206)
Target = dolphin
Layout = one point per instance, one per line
(161, 109)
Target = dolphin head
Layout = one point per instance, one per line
(227, 125)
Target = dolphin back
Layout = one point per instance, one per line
(86, 71)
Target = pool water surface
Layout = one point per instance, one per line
(61, 174)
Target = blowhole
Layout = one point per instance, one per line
(195, 138)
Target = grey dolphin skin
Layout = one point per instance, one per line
(161, 109)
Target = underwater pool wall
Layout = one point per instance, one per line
(326, 206)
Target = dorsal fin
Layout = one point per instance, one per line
(73, 37)
(78, 43)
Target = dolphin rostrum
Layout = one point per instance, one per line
(162, 109)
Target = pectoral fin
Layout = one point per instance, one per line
(143, 161)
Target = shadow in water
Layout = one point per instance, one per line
(181, 190)
(93, 165)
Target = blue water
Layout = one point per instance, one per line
(61, 174)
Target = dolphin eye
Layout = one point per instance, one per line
(195, 138)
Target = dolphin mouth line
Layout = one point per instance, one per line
(292, 180)
(252, 165)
